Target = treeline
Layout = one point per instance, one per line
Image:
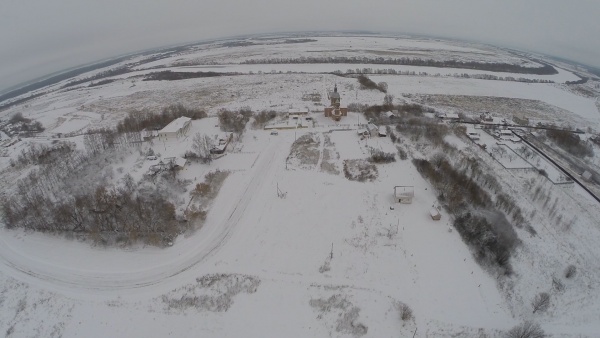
(366, 83)
(484, 229)
(582, 80)
(99, 140)
(570, 142)
(406, 111)
(53, 197)
(101, 82)
(137, 121)
(107, 73)
(168, 75)
(465, 189)
(263, 117)
(545, 69)
(392, 71)
(40, 153)
(119, 211)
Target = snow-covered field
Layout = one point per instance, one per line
(291, 249)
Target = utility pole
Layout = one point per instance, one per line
(331, 254)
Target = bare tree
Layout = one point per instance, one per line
(201, 145)
(541, 302)
(405, 312)
(557, 284)
(526, 330)
(388, 101)
(383, 86)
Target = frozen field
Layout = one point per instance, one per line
(292, 247)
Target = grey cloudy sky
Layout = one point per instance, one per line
(38, 37)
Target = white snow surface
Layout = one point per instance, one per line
(329, 259)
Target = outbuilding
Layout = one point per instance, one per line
(435, 214)
(404, 194)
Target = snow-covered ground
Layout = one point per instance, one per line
(299, 250)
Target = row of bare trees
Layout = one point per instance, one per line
(139, 120)
(99, 140)
(544, 69)
(105, 209)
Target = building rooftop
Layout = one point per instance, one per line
(175, 125)
(404, 191)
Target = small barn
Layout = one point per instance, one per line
(404, 194)
(382, 131)
(298, 112)
(473, 134)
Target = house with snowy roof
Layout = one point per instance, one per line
(176, 129)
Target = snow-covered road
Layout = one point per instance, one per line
(68, 268)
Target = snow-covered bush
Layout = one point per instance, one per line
(379, 156)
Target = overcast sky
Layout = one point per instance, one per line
(38, 37)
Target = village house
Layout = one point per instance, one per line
(176, 129)
(335, 111)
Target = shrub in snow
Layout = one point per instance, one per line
(526, 330)
(379, 156)
(263, 117)
(405, 312)
(360, 170)
(570, 271)
(234, 121)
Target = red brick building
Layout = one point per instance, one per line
(334, 110)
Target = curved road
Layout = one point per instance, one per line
(201, 246)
